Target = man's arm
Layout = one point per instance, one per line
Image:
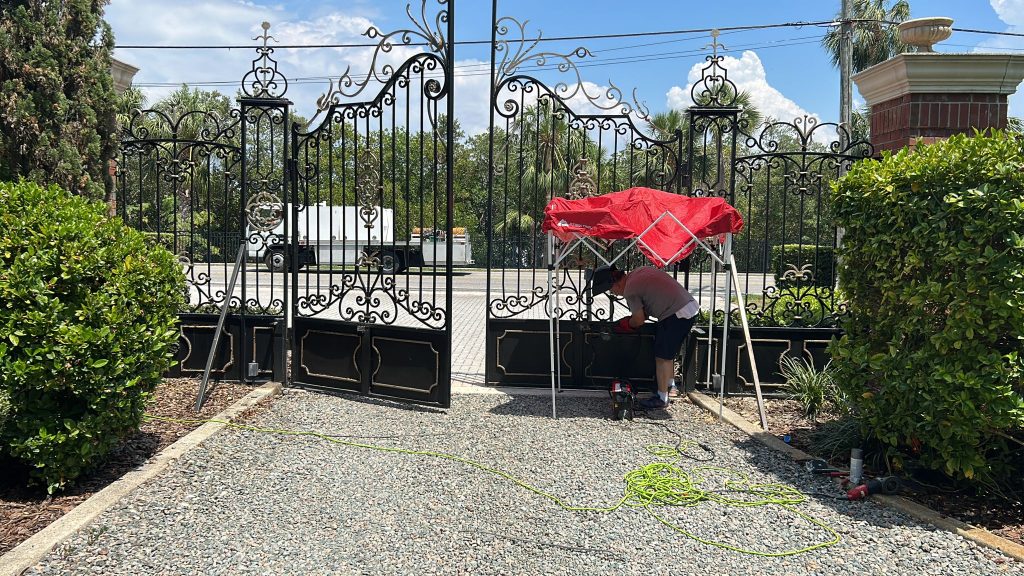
(638, 318)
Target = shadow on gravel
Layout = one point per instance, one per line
(372, 400)
(567, 407)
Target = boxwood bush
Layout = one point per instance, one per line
(933, 268)
(87, 327)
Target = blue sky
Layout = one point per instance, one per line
(785, 69)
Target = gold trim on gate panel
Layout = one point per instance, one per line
(231, 348)
(497, 351)
(740, 355)
(437, 364)
(355, 363)
(808, 352)
(254, 329)
(589, 374)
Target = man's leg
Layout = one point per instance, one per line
(663, 370)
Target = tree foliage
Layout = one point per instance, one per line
(875, 40)
(57, 100)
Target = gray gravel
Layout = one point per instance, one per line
(257, 503)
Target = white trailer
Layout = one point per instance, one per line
(343, 236)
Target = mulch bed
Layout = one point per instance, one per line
(25, 511)
(995, 514)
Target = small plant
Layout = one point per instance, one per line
(816, 391)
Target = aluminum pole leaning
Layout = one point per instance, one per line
(750, 345)
(201, 396)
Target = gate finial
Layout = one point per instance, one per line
(715, 44)
(264, 80)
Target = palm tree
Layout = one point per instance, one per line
(875, 39)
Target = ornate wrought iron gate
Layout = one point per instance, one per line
(324, 213)
(376, 320)
(777, 175)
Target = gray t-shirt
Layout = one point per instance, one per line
(660, 294)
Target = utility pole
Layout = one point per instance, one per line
(845, 71)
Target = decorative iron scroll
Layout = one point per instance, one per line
(782, 184)
(347, 86)
(518, 51)
(371, 299)
(714, 89)
(264, 80)
(582, 185)
(368, 188)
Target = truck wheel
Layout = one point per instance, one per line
(274, 260)
(389, 262)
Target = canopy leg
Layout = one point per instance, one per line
(727, 308)
(552, 326)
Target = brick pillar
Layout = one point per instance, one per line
(924, 97)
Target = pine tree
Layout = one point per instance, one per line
(57, 100)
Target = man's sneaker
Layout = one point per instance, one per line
(653, 403)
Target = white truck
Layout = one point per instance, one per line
(341, 236)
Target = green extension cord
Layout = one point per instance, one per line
(648, 487)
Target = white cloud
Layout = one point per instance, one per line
(1012, 13)
(308, 70)
(748, 74)
(1009, 11)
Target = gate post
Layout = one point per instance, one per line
(264, 180)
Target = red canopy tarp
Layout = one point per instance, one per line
(625, 215)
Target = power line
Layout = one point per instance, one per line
(485, 67)
(485, 42)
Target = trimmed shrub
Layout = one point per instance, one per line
(87, 327)
(932, 261)
(818, 261)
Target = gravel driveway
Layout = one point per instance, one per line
(256, 503)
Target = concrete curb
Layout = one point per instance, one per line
(908, 507)
(29, 552)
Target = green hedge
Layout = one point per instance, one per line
(88, 311)
(818, 259)
(933, 268)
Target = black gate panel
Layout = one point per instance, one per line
(410, 364)
(770, 346)
(261, 336)
(329, 355)
(383, 361)
(591, 356)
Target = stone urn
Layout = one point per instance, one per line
(921, 33)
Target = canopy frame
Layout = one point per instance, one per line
(557, 252)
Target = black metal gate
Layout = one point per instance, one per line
(543, 148)
(325, 216)
(776, 174)
(371, 314)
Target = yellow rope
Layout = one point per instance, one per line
(659, 484)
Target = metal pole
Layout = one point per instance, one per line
(725, 323)
(220, 326)
(711, 317)
(551, 319)
(750, 345)
(845, 72)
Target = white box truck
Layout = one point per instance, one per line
(341, 236)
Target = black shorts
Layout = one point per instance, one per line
(669, 335)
